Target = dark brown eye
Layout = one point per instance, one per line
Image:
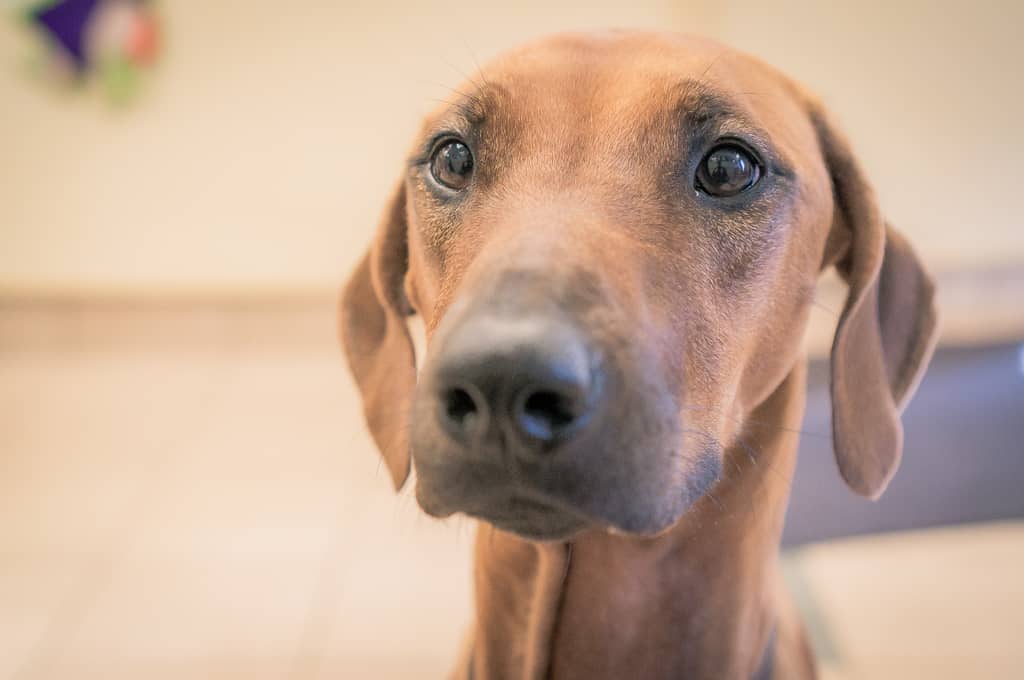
(727, 170)
(452, 164)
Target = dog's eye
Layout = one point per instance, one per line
(452, 164)
(727, 170)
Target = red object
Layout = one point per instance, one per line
(144, 40)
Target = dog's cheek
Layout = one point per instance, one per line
(427, 255)
(659, 512)
(776, 347)
(742, 248)
(780, 309)
(680, 461)
(426, 440)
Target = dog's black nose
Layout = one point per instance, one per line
(529, 380)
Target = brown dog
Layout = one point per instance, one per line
(613, 241)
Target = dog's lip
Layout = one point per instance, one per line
(532, 518)
(519, 503)
(560, 531)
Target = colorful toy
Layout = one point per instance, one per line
(111, 41)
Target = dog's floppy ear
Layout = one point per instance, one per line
(887, 329)
(376, 339)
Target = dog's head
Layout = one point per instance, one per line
(613, 242)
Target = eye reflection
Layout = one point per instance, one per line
(727, 170)
(452, 164)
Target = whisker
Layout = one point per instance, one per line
(750, 501)
(476, 63)
(443, 101)
(760, 423)
(828, 309)
(450, 88)
(712, 63)
(715, 500)
(476, 97)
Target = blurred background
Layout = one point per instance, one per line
(186, 485)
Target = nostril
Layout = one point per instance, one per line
(498, 381)
(545, 414)
(552, 407)
(462, 412)
(459, 406)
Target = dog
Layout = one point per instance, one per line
(613, 242)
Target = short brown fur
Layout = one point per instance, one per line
(583, 193)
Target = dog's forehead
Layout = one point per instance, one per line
(628, 76)
(616, 57)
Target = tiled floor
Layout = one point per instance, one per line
(941, 603)
(212, 508)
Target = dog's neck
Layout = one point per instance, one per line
(697, 601)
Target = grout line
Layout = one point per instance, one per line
(327, 593)
(327, 596)
(815, 621)
(95, 577)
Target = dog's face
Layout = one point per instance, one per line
(613, 242)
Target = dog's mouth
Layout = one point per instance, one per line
(529, 517)
(533, 519)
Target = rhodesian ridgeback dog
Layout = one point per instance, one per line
(613, 241)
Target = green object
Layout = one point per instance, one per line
(120, 79)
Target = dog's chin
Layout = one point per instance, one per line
(553, 525)
(646, 530)
(546, 532)
(530, 519)
(543, 518)
(534, 521)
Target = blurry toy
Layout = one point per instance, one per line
(109, 41)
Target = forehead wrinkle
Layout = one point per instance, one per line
(469, 109)
(699, 105)
(706, 112)
(473, 107)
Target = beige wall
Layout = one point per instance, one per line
(270, 134)
(932, 95)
